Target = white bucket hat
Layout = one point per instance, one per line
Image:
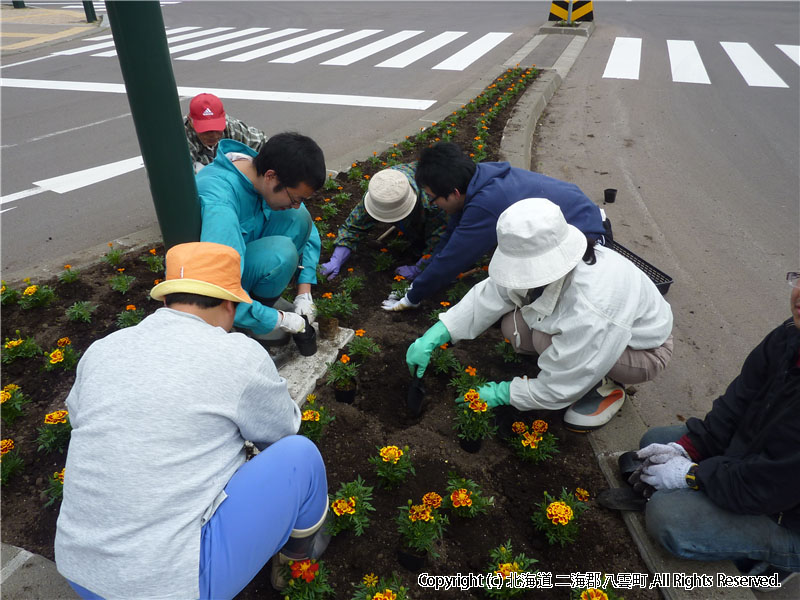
(389, 198)
(535, 245)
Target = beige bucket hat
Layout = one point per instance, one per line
(390, 197)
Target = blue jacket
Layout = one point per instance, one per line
(472, 233)
(234, 214)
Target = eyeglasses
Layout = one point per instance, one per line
(793, 278)
(293, 200)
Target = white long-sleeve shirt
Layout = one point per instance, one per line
(593, 313)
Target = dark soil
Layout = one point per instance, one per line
(378, 417)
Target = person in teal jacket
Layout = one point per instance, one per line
(253, 202)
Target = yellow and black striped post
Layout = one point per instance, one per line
(581, 10)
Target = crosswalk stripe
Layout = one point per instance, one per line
(92, 47)
(754, 69)
(624, 60)
(465, 57)
(272, 49)
(417, 52)
(361, 53)
(792, 52)
(219, 38)
(179, 38)
(685, 61)
(296, 57)
(241, 44)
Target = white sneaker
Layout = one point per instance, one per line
(597, 407)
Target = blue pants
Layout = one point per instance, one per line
(271, 261)
(690, 525)
(281, 489)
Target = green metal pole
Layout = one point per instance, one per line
(138, 30)
(88, 8)
(18, 4)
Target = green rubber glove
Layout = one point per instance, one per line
(419, 353)
(496, 394)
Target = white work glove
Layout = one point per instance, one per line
(670, 475)
(304, 306)
(393, 304)
(657, 454)
(291, 322)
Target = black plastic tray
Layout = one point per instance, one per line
(661, 279)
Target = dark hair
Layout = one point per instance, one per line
(195, 299)
(443, 168)
(295, 158)
(589, 256)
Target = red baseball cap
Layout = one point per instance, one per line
(207, 113)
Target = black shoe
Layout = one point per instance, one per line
(621, 499)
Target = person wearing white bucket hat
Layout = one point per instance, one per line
(592, 317)
(392, 197)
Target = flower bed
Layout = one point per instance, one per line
(503, 478)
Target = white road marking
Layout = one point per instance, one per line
(20, 195)
(71, 129)
(5, 210)
(273, 48)
(624, 60)
(417, 52)
(792, 52)
(465, 57)
(25, 62)
(296, 57)
(685, 61)
(219, 38)
(754, 69)
(242, 44)
(373, 48)
(179, 38)
(102, 45)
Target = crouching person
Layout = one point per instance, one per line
(592, 317)
(158, 499)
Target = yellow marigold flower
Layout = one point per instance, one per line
(519, 427)
(6, 445)
(56, 417)
(593, 594)
(359, 332)
(478, 406)
(399, 278)
(67, 266)
(471, 395)
(327, 295)
(461, 498)
(56, 356)
(445, 304)
(531, 440)
(30, 290)
(60, 476)
(26, 280)
(330, 235)
(152, 251)
(11, 387)
(156, 282)
(4, 396)
(343, 507)
(391, 454)
(432, 499)
(345, 359)
(130, 307)
(65, 341)
(559, 513)
(419, 512)
(318, 218)
(121, 269)
(13, 343)
(311, 398)
(2, 289)
(505, 569)
(387, 594)
(539, 426)
(470, 370)
(384, 249)
(370, 580)
(581, 494)
(310, 415)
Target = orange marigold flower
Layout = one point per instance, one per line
(539, 426)
(6, 445)
(445, 346)
(65, 341)
(366, 176)
(67, 266)
(519, 427)
(593, 594)
(156, 281)
(354, 165)
(419, 512)
(506, 340)
(310, 415)
(581, 494)
(445, 304)
(350, 270)
(399, 278)
(391, 454)
(326, 199)
(120, 270)
(110, 245)
(387, 594)
(330, 235)
(318, 218)
(384, 249)
(359, 332)
(461, 498)
(432, 499)
(307, 569)
(345, 359)
(470, 370)
(56, 356)
(425, 256)
(56, 417)
(327, 295)
(130, 307)
(152, 251)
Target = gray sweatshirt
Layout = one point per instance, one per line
(160, 413)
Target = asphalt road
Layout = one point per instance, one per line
(707, 175)
(51, 132)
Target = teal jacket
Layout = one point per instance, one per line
(234, 214)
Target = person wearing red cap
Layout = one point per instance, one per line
(206, 124)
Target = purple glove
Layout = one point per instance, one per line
(408, 271)
(331, 268)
